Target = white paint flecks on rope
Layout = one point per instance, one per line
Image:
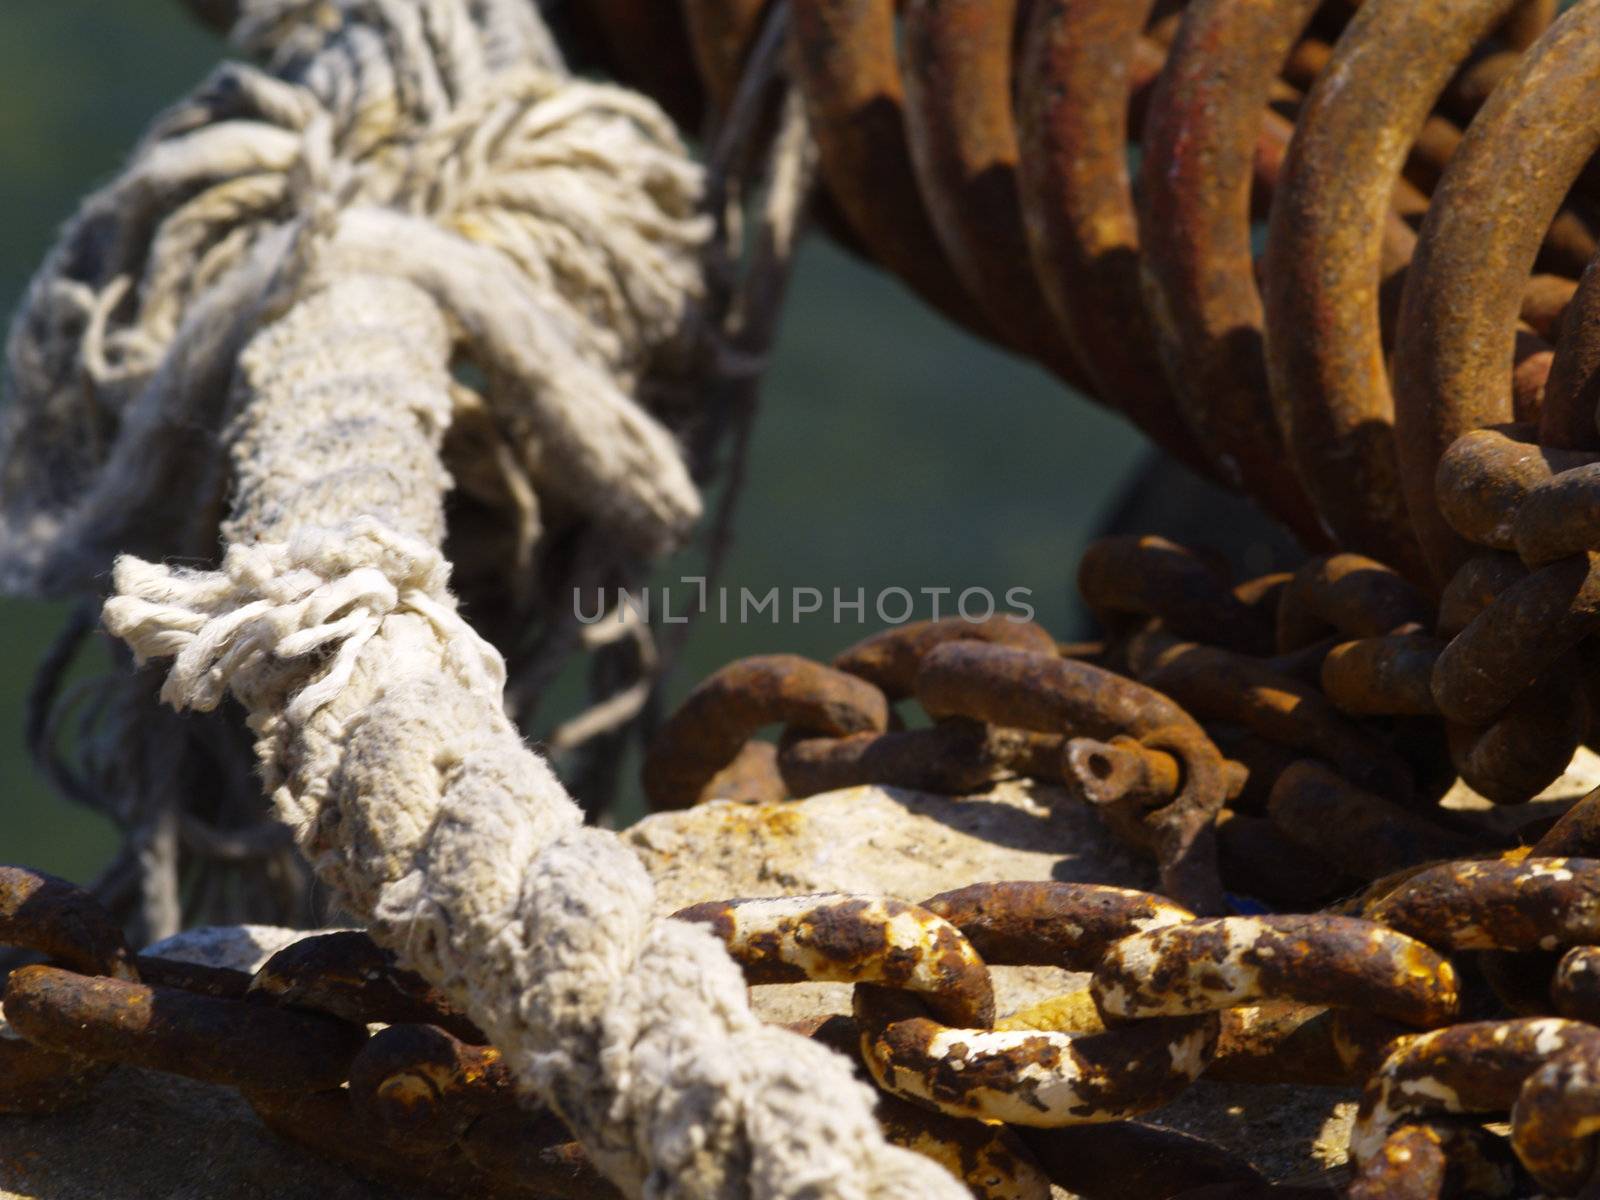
(324, 249)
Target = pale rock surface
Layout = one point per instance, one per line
(150, 1135)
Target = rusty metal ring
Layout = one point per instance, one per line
(853, 939)
(234, 1042)
(1323, 268)
(1216, 964)
(1526, 630)
(59, 919)
(1473, 1068)
(891, 658)
(1424, 1158)
(43, 913)
(1568, 418)
(1349, 594)
(1051, 924)
(1080, 66)
(1216, 685)
(1487, 474)
(1025, 690)
(956, 57)
(712, 725)
(1150, 576)
(844, 63)
(421, 1085)
(348, 975)
(1183, 831)
(1458, 319)
(1025, 1077)
(1194, 223)
(1556, 1118)
(1383, 676)
(1534, 904)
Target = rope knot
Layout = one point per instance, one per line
(287, 621)
(557, 223)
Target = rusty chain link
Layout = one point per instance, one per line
(423, 1101)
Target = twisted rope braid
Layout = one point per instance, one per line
(302, 262)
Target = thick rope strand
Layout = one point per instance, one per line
(382, 735)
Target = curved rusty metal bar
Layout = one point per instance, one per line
(1194, 225)
(1322, 269)
(957, 70)
(1458, 322)
(844, 61)
(711, 726)
(1526, 22)
(1080, 64)
(721, 33)
(1568, 420)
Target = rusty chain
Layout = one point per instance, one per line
(421, 1101)
(1404, 375)
(1248, 781)
(1273, 744)
(1414, 176)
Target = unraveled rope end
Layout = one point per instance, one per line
(275, 612)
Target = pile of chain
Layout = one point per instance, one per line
(1408, 371)
(1415, 177)
(332, 1045)
(1358, 243)
(1271, 745)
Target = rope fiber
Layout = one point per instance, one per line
(411, 217)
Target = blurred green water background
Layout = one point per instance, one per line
(891, 451)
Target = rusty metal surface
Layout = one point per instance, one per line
(1567, 420)
(721, 33)
(1348, 594)
(1476, 250)
(421, 1106)
(346, 974)
(164, 1029)
(1476, 1068)
(853, 940)
(1080, 64)
(1218, 685)
(1364, 834)
(1202, 299)
(957, 62)
(1221, 963)
(982, 150)
(1525, 631)
(1154, 577)
(1383, 676)
(719, 717)
(1532, 904)
(1322, 271)
(1051, 924)
(1025, 1077)
(890, 660)
(1437, 1157)
(952, 757)
(845, 64)
(54, 917)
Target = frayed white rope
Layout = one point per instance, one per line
(246, 626)
(411, 195)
